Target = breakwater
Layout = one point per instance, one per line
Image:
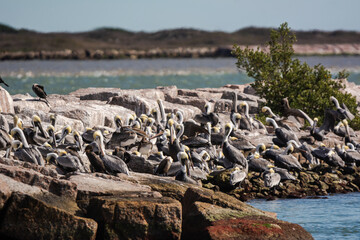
(179, 52)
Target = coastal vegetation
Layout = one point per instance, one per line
(12, 39)
(278, 75)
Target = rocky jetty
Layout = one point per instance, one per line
(179, 52)
(40, 202)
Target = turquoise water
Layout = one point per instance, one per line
(336, 217)
(64, 85)
(64, 76)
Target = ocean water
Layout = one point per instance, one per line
(334, 217)
(64, 76)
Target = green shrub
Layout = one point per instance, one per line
(278, 75)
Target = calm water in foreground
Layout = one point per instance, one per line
(337, 217)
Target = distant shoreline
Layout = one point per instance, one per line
(179, 52)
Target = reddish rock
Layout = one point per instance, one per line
(256, 227)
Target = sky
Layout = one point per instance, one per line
(155, 15)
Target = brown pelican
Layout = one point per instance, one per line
(45, 149)
(328, 155)
(67, 162)
(343, 111)
(254, 123)
(18, 122)
(282, 122)
(33, 135)
(163, 120)
(305, 151)
(2, 81)
(348, 138)
(5, 140)
(271, 178)
(287, 160)
(118, 123)
(200, 160)
(283, 135)
(284, 174)
(234, 109)
(237, 176)
(352, 154)
(196, 141)
(164, 166)
(157, 157)
(231, 153)
(51, 132)
(235, 119)
(328, 125)
(64, 132)
(126, 137)
(97, 165)
(78, 140)
(183, 173)
(4, 123)
(350, 157)
(256, 163)
(340, 130)
(25, 152)
(272, 152)
(207, 116)
(174, 143)
(40, 92)
(290, 111)
(53, 119)
(113, 164)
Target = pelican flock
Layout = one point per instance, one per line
(196, 150)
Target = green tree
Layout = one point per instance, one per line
(278, 75)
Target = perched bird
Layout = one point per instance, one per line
(164, 166)
(282, 135)
(288, 161)
(271, 178)
(342, 110)
(231, 153)
(328, 155)
(237, 176)
(24, 152)
(40, 92)
(97, 165)
(207, 116)
(112, 163)
(65, 161)
(2, 81)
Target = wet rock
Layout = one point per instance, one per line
(305, 177)
(329, 178)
